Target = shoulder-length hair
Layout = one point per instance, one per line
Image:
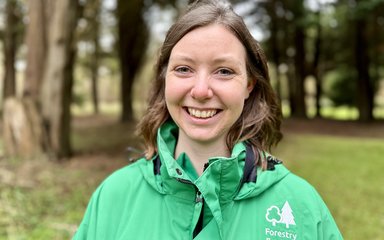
(259, 123)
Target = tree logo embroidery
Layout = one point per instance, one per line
(284, 215)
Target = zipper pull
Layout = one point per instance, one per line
(198, 197)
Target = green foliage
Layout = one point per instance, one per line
(78, 99)
(340, 87)
(363, 9)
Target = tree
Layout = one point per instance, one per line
(314, 40)
(273, 215)
(287, 216)
(132, 42)
(23, 129)
(47, 97)
(285, 26)
(94, 66)
(10, 47)
(341, 87)
(362, 63)
(56, 92)
(297, 97)
(133, 34)
(275, 24)
(315, 64)
(358, 44)
(377, 39)
(36, 42)
(89, 34)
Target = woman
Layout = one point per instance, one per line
(206, 175)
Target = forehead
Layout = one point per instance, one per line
(211, 40)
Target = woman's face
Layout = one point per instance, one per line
(206, 83)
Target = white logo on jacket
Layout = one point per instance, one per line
(283, 216)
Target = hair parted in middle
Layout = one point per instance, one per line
(259, 123)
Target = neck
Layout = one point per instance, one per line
(200, 152)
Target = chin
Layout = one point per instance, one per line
(204, 138)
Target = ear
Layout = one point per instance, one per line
(250, 86)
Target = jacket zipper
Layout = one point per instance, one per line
(200, 199)
(199, 204)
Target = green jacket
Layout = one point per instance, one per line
(165, 199)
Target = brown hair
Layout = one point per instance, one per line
(259, 123)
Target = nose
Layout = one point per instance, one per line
(201, 89)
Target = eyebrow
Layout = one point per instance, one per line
(183, 58)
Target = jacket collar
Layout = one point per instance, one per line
(223, 175)
(218, 184)
(231, 176)
(222, 182)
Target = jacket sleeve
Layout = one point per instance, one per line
(81, 233)
(327, 228)
(85, 232)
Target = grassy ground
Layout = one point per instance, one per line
(44, 200)
(348, 174)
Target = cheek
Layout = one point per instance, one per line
(240, 106)
(235, 95)
(169, 86)
(236, 103)
(166, 89)
(173, 91)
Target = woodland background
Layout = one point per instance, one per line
(75, 77)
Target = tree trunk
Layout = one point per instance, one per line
(364, 84)
(36, 41)
(40, 122)
(23, 132)
(315, 65)
(23, 129)
(133, 38)
(56, 92)
(275, 46)
(299, 109)
(95, 58)
(10, 34)
(297, 91)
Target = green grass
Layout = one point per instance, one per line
(347, 172)
(337, 113)
(44, 200)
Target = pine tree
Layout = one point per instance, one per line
(287, 216)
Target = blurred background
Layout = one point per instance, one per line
(74, 81)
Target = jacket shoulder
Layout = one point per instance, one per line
(298, 188)
(109, 203)
(308, 201)
(123, 178)
(294, 181)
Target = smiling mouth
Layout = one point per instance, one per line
(202, 113)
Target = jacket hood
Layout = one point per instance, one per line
(265, 180)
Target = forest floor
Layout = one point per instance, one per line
(31, 189)
(119, 149)
(334, 127)
(101, 144)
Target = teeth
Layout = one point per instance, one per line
(202, 114)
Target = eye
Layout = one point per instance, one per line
(183, 69)
(225, 71)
